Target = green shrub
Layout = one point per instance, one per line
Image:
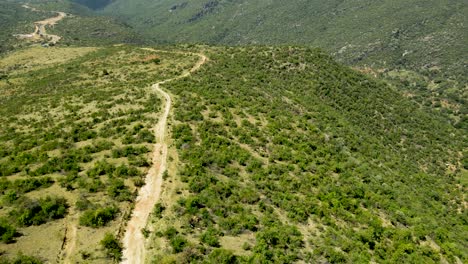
(83, 204)
(36, 212)
(210, 237)
(118, 190)
(21, 259)
(158, 210)
(98, 217)
(178, 243)
(7, 232)
(222, 256)
(112, 246)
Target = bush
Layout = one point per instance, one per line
(82, 203)
(99, 217)
(112, 246)
(101, 168)
(222, 256)
(158, 210)
(41, 211)
(118, 190)
(210, 237)
(7, 232)
(178, 243)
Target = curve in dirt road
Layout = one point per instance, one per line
(148, 195)
(40, 28)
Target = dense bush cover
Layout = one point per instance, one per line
(315, 160)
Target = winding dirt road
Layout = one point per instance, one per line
(40, 28)
(134, 241)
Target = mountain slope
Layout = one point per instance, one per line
(82, 27)
(286, 156)
(410, 33)
(75, 125)
(15, 19)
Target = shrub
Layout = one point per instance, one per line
(118, 190)
(82, 203)
(222, 256)
(7, 232)
(158, 210)
(178, 243)
(101, 168)
(21, 259)
(98, 217)
(210, 237)
(38, 212)
(112, 246)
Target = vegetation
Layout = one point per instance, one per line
(426, 38)
(283, 154)
(112, 246)
(99, 217)
(15, 20)
(7, 231)
(84, 135)
(315, 161)
(21, 259)
(40, 211)
(383, 33)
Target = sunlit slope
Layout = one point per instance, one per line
(286, 156)
(75, 145)
(411, 33)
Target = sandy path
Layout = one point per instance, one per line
(134, 241)
(40, 28)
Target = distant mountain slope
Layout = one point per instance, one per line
(14, 19)
(417, 33)
(83, 27)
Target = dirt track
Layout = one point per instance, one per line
(40, 28)
(134, 241)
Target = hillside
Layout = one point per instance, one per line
(286, 156)
(82, 27)
(418, 45)
(278, 155)
(15, 19)
(75, 144)
(112, 151)
(408, 33)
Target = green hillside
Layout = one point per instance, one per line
(278, 155)
(83, 27)
(419, 45)
(75, 144)
(15, 20)
(391, 32)
(287, 156)
(254, 132)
